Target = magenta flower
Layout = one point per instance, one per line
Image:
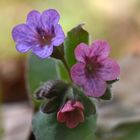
(40, 33)
(71, 113)
(94, 68)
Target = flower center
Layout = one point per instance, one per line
(92, 66)
(45, 38)
(89, 68)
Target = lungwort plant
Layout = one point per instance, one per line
(66, 75)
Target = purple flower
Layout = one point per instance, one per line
(94, 68)
(71, 113)
(40, 33)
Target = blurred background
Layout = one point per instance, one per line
(118, 22)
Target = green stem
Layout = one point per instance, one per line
(67, 67)
(59, 54)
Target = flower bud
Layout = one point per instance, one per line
(71, 113)
(51, 89)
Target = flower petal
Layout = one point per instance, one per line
(81, 51)
(99, 48)
(72, 123)
(22, 47)
(67, 107)
(74, 118)
(78, 74)
(78, 105)
(22, 32)
(42, 52)
(59, 36)
(95, 87)
(33, 19)
(61, 117)
(110, 70)
(81, 116)
(49, 17)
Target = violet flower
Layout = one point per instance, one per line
(94, 68)
(40, 33)
(71, 113)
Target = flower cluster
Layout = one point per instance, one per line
(91, 75)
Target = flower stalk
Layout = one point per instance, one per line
(67, 67)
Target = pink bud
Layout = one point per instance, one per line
(71, 113)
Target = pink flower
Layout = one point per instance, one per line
(94, 68)
(71, 113)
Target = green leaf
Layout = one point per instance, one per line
(74, 37)
(52, 94)
(63, 72)
(112, 81)
(89, 106)
(46, 127)
(52, 105)
(51, 88)
(88, 103)
(107, 95)
(58, 52)
(40, 71)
